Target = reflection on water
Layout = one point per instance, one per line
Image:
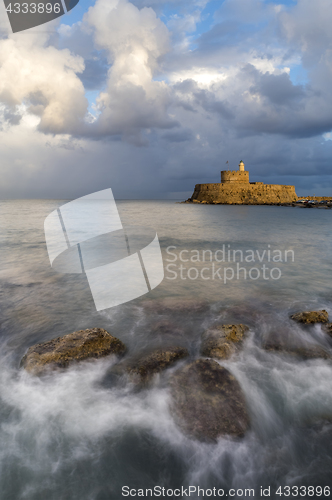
(83, 434)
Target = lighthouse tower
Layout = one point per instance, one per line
(240, 176)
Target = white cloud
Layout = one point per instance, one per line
(135, 40)
(44, 79)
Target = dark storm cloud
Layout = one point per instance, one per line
(284, 108)
(190, 96)
(279, 89)
(178, 136)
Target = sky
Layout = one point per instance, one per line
(150, 97)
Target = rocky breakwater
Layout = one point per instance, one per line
(206, 400)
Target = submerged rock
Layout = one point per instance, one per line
(166, 328)
(156, 361)
(310, 317)
(208, 402)
(313, 352)
(175, 305)
(221, 341)
(77, 346)
(285, 344)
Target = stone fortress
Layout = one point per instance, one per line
(235, 189)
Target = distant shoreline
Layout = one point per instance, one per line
(308, 202)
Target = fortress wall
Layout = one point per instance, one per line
(237, 193)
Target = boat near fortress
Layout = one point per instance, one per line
(236, 189)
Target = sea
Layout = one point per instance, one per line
(86, 434)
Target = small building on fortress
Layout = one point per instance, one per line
(235, 189)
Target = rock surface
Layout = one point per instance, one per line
(208, 402)
(327, 328)
(286, 344)
(221, 341)
(166, 328)
(310, 317)
(156, 361)
(76, 346)
(176, 306)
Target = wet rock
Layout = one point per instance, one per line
(221, 341)
(284, 344)
(74, 347)
(327, 329)
(245, 313)
(165, 327)
(310, 317)
(175, 305)
(155, 362)
(313, 352)
(208, 402)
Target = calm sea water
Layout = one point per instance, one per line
(83, 434)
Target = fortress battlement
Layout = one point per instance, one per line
(235, 176)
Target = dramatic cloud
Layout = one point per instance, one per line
(195, 83)
(135, 40)
(43, 80)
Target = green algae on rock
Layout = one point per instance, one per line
(311, 317)
(221, 341)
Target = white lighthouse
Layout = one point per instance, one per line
(241, 166)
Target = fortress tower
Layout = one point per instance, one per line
(240, 176)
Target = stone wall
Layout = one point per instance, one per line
(238, 194)
(240, 176)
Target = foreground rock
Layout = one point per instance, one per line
(310, 317)
(221, 341)
(155, 362)
(208, 401)
(294, 346)
(74, 347)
